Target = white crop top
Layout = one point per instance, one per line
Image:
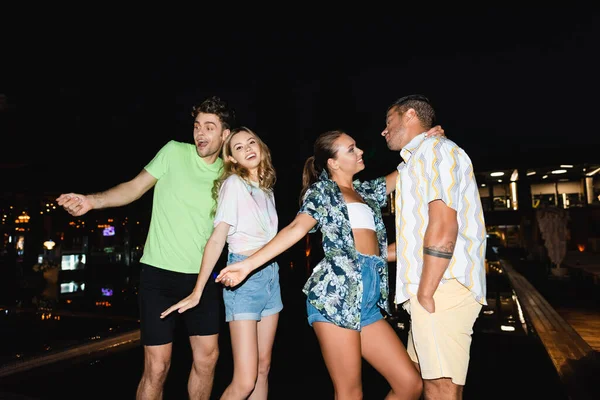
(361, 216)
(250, 213)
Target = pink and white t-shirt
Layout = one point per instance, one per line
(250, 212)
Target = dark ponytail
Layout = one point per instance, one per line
(324, 149)
(309, 175)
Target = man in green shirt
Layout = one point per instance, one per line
(182, 175)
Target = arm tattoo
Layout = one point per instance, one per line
(440, 251)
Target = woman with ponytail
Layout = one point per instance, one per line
(348, 288)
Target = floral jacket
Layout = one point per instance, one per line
(335, 287)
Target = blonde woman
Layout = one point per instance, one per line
(245, 219)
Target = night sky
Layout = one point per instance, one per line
(88, 101)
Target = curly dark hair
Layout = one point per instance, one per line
(215, 105)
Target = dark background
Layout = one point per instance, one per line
(89, 97)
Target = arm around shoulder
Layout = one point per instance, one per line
(390, 181)
(391, 252)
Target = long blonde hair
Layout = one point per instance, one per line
(266, 172)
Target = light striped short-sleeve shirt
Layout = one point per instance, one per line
(435, 168)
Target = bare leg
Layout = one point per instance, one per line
(205, 352)
(267, 328)
(341, 352)
(244, 344)
(157, 360)
(442, 389)
(382, 348)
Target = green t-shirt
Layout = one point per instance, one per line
(181, 220)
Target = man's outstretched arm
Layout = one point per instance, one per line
(124, 193)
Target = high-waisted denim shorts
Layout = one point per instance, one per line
(370, 311)
(257, 297)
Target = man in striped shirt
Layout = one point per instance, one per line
(440, 246)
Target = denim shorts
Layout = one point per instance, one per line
(370, 312)
(257, 297)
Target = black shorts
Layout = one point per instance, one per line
(159, 290)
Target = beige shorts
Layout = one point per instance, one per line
(440, 342)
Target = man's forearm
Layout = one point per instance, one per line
(436, 259)
(120, 195)
(438, 246)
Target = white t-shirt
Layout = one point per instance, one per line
(250, 212)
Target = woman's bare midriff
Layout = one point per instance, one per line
(249, 252)
(366, 242)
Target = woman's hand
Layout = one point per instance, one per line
(435, 131)
(189, 302)
(233, 274)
